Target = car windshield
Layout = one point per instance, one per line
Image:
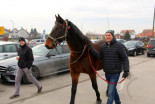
(130, 43)
(40, 50)
(152, 42)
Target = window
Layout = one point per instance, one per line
(42, 41)
(54, 51)
(1, 49)
(141, 43)
(18, 46)
(10, 48)
(38, 41)
(152, 42)
(65, 49)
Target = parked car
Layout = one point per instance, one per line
(134, 47)
(35, 42)
(8, 49)
(121, 40)
(151, 47)
(46, 62)
(94, 40)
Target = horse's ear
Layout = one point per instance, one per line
(60, 19)
(56, 17)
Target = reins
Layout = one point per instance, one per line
(80, 55)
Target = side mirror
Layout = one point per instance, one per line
(49, 55)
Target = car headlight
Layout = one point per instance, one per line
(12, 68)
(131, 49)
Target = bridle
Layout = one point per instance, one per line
(55, 40)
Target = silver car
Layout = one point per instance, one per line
(46, 62)
(8, 49)
(36, 42)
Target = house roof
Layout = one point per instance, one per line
(124, 31)
(147, 30)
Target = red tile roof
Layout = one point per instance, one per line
(147, 32)
(124, 31)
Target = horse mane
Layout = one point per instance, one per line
(78, 34)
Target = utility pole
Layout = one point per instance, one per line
(153, 23)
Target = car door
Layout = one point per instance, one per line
(55, 62)
(10, 50)
(65, 56)
(138, 47)
(142, 46)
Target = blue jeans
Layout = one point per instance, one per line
(112, 90)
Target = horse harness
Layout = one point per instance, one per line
(64, 36)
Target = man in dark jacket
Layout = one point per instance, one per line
(25, 60)
(114, 59)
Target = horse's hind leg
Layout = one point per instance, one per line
(75, 77)
(95, 86)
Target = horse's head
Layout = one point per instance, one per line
(58, 33)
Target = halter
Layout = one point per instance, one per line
(64, 36)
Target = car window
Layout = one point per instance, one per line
(65, 49)
(10, 48)
(42, 41)
(1, 49)
(152, 42)
(138, 44)
(141, 43)
(130, 43)
(40, 50)
(38, 41)
(56, 52)
(18, 46)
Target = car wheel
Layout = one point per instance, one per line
(148, 55)
(134, 53)
(143, 52)
(35, 73)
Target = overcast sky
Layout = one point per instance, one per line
(89, 15)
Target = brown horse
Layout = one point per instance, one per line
(79, 61)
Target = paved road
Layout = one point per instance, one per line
(138, 88)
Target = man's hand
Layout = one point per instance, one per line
(125, 74)
(17, 58)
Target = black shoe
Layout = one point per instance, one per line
(14, 96)
(40, 89)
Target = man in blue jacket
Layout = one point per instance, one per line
(115, 60)
(25, 60)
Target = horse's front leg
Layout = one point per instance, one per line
(95, 86)
(75, 77)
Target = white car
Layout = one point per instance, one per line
(94, 40)
(8, 49)
(35, 42)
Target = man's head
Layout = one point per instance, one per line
(109, 36)
(22, 41)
